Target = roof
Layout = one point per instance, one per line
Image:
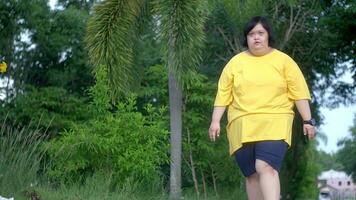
(333, 174)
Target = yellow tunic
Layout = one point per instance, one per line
(260, 94)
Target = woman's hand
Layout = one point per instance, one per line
(214, 130)
(309, 130)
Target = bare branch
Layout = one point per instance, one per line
(227, 40)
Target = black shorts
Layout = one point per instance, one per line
(272, 152)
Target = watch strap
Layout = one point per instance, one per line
(311, 122)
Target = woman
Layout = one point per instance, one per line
(260, 87)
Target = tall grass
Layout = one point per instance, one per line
(99, 186)
(20, 159)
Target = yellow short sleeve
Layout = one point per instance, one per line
(296, 84)
(225, 86)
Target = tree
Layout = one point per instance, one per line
(328, 161)
(348, 148)
(14, 19)
(111, 36)
(44, 47)
(336, 24)
(80, 4)
(47, 64)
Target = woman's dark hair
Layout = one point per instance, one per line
(266, 25)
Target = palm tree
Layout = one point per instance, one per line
(111, 33)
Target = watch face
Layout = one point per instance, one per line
(313, 122)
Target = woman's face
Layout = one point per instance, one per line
(257, 38)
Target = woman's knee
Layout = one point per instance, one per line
(263, 167)
(252, 179)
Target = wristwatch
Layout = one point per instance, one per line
(311, 122)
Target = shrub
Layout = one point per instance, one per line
(123, 142)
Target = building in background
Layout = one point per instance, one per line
(334, 185)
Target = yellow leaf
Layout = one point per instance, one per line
(3, 67)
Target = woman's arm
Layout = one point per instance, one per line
(304, 110)
(214, 130)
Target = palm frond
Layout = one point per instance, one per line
(181, 27)
(111, 33)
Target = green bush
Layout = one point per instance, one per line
(50, 108)
(123, 142)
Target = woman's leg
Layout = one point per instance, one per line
(269, 180)
(245, 157)
(253, 187)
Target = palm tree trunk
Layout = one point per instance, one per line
(175, 108)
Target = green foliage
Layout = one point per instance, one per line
(147, 48)
(124, 143)
(181, 29)
(339, 15)
(10, 26)
(110, 38)
(47, 65)
(49, 108)
(348, 149)
(42, 65)
(47, 48)
(21, 158)
(218, 50)
(59, 58)
(339, 47)
(300, 167)
(87, 4)
(328, 161)
(113, 26)
(239, 16)
(100, 136)
(100, 92)
(154, 89)
(210, 159)
(298, 178)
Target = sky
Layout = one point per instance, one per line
(336, 121)
(52, 3)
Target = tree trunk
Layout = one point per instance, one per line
(175, 108)
(194, 176)
(203, 181)
(214, 182)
